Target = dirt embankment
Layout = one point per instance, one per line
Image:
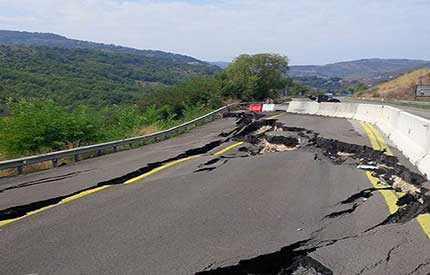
(402, 87)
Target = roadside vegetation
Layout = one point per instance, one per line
(38, 125)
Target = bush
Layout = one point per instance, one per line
(42, 125)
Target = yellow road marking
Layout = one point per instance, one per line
(158, 169)
(225, 150)
(380, 139)
(390, 197)
(276, 116)
(424, 221)
(371, 136)
(63, 201)
(130, 181)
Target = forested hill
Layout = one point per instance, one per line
(58, 41)
(95, 77)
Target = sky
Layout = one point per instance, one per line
(307, 31)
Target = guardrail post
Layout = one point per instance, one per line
(115, 148)
(99, 153)
(77, 158)
(55, 162)
(20, 169)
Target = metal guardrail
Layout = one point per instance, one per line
(20, 163)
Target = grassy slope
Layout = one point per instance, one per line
(402, 87)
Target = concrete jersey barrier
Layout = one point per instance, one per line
(268, 107)
(408, 132)
(327, 109)
(303, 107)
(368, 112)
(346, 110)
(412, 136)
(389, 120)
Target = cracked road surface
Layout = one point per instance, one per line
(231, 212)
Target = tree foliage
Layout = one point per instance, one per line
(92, 77)
(255, 77)
(357, 88)
(173, 101)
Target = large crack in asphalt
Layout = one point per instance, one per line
(264, 136)
(22, 210)
(287, 260)
(363, 194)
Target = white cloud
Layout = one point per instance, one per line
(309, 31)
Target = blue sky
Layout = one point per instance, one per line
(307, 31)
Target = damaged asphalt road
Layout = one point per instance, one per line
(265, 136)
(292, 199)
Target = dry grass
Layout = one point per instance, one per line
(231, 101)
(27, 169)
(402, 87)
(8, 172)
(146, 130)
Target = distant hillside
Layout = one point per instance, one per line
(54, 40)
(369, 71)
(221, 64)
(334, 85)
(88, 76)
(402, 87)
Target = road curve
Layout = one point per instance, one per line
(220, 210)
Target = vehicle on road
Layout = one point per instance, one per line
(327, 97)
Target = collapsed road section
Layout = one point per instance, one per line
(265, 136)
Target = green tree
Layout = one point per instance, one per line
(296, 87)
(357, 88)
(255, 77)
(172, 101)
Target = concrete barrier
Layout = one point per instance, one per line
(303, 107)
(412, 136)
(282, 107)
(424, 165)
(255, 107)
(368, 112)
(389, 119)
(268, 107)
(327, 109)
(346, 110)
